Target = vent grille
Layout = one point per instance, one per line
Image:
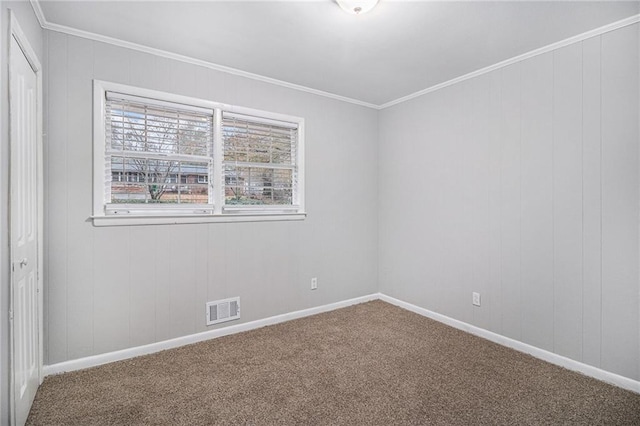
(223, 310)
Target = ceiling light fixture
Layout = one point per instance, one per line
(357, 7)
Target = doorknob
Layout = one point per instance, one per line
(23, 262)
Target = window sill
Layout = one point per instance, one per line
(113, 220)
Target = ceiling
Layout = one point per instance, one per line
(399, 48)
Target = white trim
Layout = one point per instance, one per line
(545, 49)
(158, 96)
(177, 210)
(115, 220)
(99, 142)
(116, 96)
(216, 182)
(37, 10)
(261, 116)
(92, 361)
(300, 190)
(261, 120)
(165, 54)
(260, 209)
(182, 58)
(23, 42)
(570, 364)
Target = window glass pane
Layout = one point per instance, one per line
(146, 128)
(126, 192)
(128, 179)
(159, 176)
(257, 142)
(151, 181)
(258, 186)
(190, 190)
(137, 132)
(247, 146)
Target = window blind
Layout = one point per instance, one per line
(157, 153)
(259, 165)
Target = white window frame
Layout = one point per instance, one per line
(177, 213)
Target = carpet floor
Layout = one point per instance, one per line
(372, 363)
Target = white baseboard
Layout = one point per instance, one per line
(570, 364)
(92, 361)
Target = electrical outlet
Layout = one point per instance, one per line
(476, 299)
(314, 283)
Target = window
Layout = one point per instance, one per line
(259, 162)
(162, 158)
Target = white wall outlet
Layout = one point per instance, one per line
(476, 299)
(314, 283)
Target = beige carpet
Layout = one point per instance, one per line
(372, 363)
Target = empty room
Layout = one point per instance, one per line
(319, 212)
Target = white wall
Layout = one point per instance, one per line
(119, 287)
(522, 184)
(29, 24)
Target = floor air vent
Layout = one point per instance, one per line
(223, 310)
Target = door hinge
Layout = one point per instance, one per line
(10, 315)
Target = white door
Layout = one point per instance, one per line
(24, 232)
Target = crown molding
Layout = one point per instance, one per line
(187, 59)
(182, 58)
(549, 48)
(35, 4)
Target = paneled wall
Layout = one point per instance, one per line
(522, 184)
(118, 287)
